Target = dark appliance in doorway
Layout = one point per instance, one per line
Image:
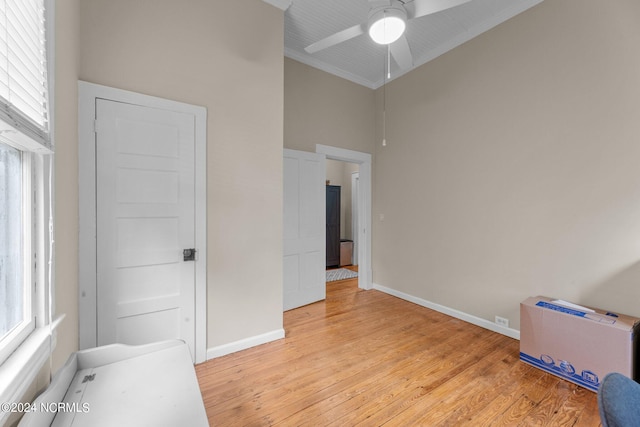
(333, 225)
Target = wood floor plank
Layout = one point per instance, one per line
(573, 407)
(416, 392)
(484, 393)
(509, 394)
(293, 375)
(461, 395)
(353, 359)
(392, 379)
(367, 358)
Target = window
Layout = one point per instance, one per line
(16, 316)
(25, 206)
(24, 131)
(11, 247)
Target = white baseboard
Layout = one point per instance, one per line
(483, 323)
(243, 344)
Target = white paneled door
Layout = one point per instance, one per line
(145, 222)
(304, 228)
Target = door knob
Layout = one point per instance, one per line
(189, 254)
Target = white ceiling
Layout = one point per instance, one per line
(360, 59)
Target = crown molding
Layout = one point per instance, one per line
(280, 4)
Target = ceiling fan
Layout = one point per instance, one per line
(386, 24)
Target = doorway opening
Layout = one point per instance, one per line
(342, 183)
(360, 228)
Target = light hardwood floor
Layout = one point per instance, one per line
(366, 358)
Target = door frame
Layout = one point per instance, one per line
(355, 202)
(365, 273)
(88, 93)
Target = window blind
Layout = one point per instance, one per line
(23, 70)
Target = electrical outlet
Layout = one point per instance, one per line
(502, 321)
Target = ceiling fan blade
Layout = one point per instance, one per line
(418, 8)
(334, 39)
(402, 53)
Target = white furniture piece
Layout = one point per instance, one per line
(121, 385)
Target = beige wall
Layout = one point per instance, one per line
(66, 53)
(320, 108)
(512, 166)
(198, 53)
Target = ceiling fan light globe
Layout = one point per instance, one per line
(387, 25)
(387, 30)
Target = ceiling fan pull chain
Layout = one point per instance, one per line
(388, 61)
(384, 99)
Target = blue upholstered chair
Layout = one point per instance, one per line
(619, 401)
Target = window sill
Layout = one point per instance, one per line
(19, 371)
